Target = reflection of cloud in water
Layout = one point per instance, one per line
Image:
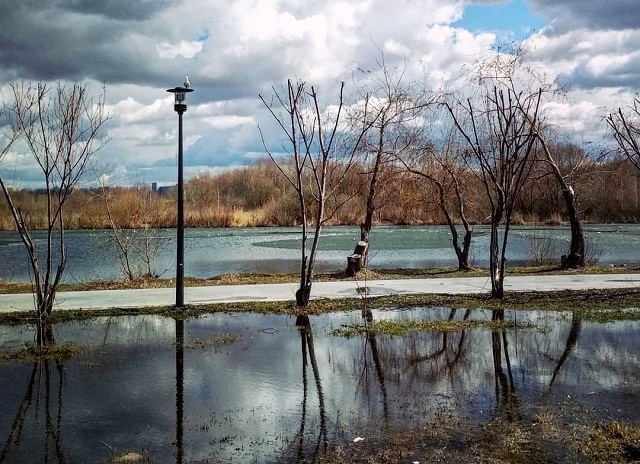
(248, 395)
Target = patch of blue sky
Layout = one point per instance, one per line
(203, 35)
(509, 20)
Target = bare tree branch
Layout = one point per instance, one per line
(61, 127)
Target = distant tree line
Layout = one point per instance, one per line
(257, 195)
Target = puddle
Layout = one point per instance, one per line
(255, 388)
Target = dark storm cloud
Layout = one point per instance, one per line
(620, 77)
(22, 173)
(109, 42)
(591, 14)
(49, 42)
(116, 9)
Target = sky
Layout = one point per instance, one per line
(234, 51)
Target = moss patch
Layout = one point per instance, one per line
(202, 343)
(402, 327)
(33, 354)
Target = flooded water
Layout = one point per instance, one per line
(241, 387)
(210, 252)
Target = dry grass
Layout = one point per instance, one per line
(33, 354)
(368, 274)
(613, 442)
(523, 435)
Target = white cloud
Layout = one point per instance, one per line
(228, 121)
(569, 116)
(135, 133)
(232, 51)
(184, 49)
(130, 110)
(592, 59)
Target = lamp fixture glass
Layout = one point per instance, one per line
(180, 95)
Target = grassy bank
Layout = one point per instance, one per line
(592, 305)
(248, 279)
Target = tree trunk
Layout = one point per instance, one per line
(575, 258)
(303, 321)
(303, 295)
(367, 224)
(466, 246)
(495, 269)
(355, 262)
(365, 229)
(354, 265)
(44, 334)
(468, 228)
(45, 301)
(461, 253)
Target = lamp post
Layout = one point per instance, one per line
(180, 107)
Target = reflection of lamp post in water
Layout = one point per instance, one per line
(180, 107)
(179, 390)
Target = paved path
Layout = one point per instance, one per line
(104, 299)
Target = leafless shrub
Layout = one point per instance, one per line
(542, 250)
(592, 250)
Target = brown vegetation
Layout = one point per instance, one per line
(257, 195)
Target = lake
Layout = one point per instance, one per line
(242, 387)
(211, 252)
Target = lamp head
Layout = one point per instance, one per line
(180, 95)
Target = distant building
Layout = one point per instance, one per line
(161, 190)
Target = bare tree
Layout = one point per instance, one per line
(524, 78)
(499, 127)
(319, 154)
(60, 126)
(576, 255)
(441, 168)
(625, 127)
(393, 104)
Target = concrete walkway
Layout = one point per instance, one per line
(105, 299)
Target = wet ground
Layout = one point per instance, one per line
(256, 388)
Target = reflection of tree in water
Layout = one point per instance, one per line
(407, 364)
(572, 340)
(445, 356)
(309, 356)
(421, 359)
(372, 343)
(43, 397)
(507, 402)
